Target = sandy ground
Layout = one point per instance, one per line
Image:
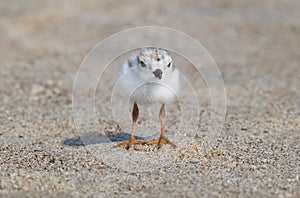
(256, 47)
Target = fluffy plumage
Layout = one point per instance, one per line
(149, 77)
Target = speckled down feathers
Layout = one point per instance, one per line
(141, 86)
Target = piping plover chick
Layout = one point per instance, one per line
(149, 77)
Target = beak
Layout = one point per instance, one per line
(158, 73)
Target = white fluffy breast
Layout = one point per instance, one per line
(146, 89)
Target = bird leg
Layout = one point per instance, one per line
(162, 139)
(132, 141)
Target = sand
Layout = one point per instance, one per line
(256, 47)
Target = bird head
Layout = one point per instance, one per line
(155, 62)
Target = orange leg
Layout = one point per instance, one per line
(162, 139)
(132, 141)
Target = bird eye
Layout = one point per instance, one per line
(143, 64)
(169, 65)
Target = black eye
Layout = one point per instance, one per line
(143, 64)
(169, 65)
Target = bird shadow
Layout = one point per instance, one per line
(96, 138)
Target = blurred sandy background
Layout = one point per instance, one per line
(256, 45)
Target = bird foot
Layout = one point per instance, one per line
(160, 142)
(129, 144)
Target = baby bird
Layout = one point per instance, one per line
(149, 77)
